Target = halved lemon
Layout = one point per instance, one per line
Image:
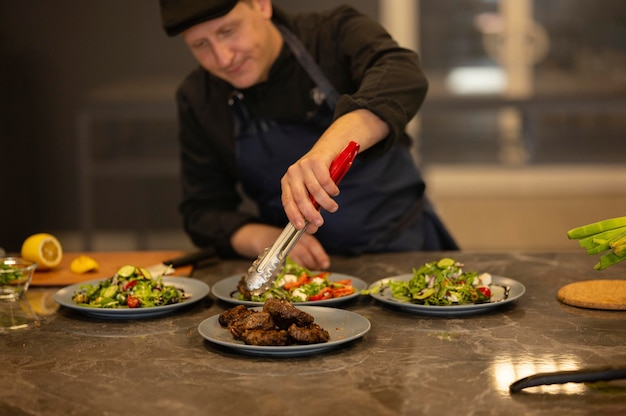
(44, 249)
(83, 264)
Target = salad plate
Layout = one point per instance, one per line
(513, 290)
(195, 289)
(344, 326)
(226, 290)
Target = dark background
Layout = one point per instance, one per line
(60, 59)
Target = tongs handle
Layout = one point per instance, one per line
(341, 164)
(343, 161)
(338, 169)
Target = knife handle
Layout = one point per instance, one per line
(574, 376)
(192, 258)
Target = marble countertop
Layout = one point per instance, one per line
(407, 364)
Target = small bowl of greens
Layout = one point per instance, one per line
(15, 276)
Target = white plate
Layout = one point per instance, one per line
(192, 287)
(343, 326)
(226, 289)
(515, 291)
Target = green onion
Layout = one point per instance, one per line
(596, 228)
(609, 259)
(607, 236)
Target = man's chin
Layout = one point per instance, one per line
(242, 83)
(242, 80)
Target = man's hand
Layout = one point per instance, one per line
(251, 239)
(309, 178)
(310, 175)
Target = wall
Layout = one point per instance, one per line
(54, 53)
(57, 57)
(524, 208)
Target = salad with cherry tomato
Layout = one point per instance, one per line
(442, 283)
(299, 284)
(130, 287)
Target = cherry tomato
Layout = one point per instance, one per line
(343, 291)
(485, 291)
(303, 279)
(132, 301)
(322, 275)
(325, 293)
(130, 284)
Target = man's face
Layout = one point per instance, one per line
(239, 47)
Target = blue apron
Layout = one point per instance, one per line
(381, 204)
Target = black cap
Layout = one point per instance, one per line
(178, 15)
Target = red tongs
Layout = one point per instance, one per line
(264, 270)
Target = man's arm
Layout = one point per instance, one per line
(311, 175)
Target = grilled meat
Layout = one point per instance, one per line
(232, 314)
(279, 323)
(243, 289)
(255, 320)
(272, 337)
(312, 334)
(285, 314)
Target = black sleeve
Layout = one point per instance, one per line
(369, 69)
(210, 198)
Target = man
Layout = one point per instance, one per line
(275, 99)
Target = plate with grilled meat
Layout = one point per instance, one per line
(278, 328)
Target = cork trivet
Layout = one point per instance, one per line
(595, 294)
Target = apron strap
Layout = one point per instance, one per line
(310, 66)
(332, 97)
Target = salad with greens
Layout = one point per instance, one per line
(10, 275)
(299, 284)
(441, 283)
(130, 287)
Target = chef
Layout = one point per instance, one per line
(275, 98)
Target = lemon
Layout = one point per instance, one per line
(44, 249)
(83, 264)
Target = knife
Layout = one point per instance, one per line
(168, 266)
(575, 376)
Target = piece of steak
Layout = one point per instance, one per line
(256, 320)
(233, 314)
(285, 314)
(272, 337)
(311, 334)
(243, 289)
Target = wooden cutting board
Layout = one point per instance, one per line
(109, 262)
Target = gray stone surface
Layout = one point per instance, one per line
(408, 364)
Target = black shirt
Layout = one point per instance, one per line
(364, 64)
